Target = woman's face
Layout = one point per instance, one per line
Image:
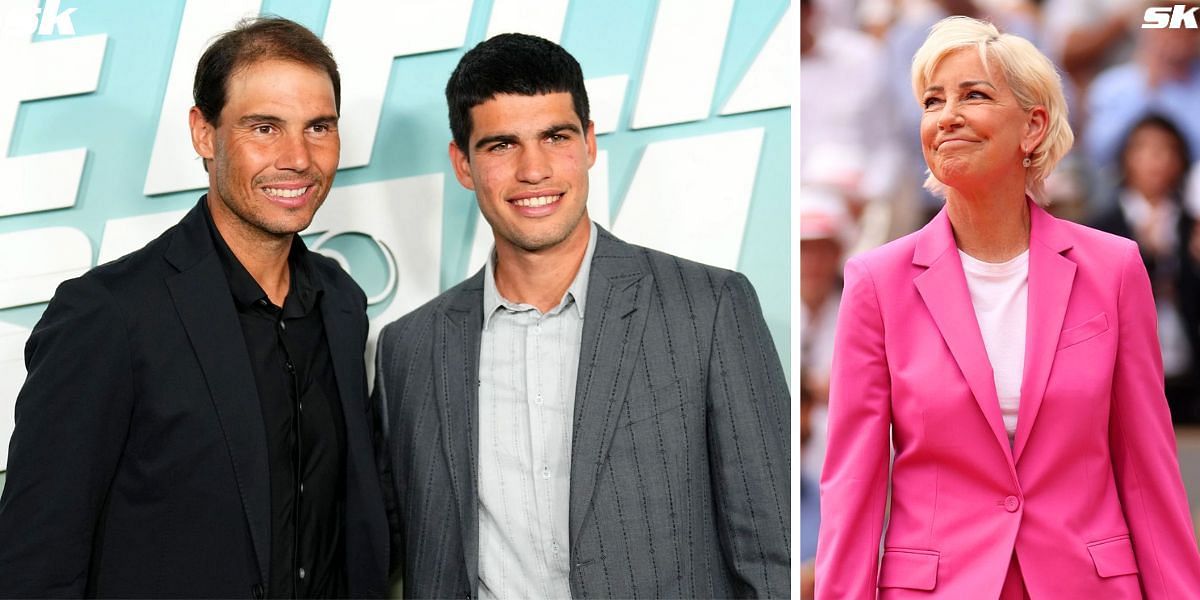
(974, 133)
(1153, 161)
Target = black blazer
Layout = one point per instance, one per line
(1185, 274)
(138, 467)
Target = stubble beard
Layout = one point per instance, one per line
(248, 210)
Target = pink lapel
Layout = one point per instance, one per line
(943, 287)
(1051, 276)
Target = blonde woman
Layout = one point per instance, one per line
(1011, 358)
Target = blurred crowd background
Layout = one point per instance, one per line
(1134, 99)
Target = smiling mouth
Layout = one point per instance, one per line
(536, 201)
(944, 142)
(286, 192)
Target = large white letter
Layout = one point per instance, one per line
(543, 18)
(31, 71)
(768, 82)
(173, 164)
(365, 36)
(34, 261)
(682, 65)
(691, 196)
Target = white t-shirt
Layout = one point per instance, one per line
(1000, 296)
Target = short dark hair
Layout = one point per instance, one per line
(511, 63)
(253, 40)
(1168, 125)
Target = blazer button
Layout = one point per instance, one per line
(257, 590)
(1011, 504)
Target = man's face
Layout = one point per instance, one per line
(527, 160)
(275, 150)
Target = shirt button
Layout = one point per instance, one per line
(282, 325)
(554, 548)
(1011, 504)
(538, 400)
(290, 367)
(546, 473)
(301, 488)
(301, 573)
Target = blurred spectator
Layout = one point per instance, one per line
(810, 497)
(826, 230)
(1085, 36)
(842, 14)
(839, 169)
(846, 113)
(1163, 77)
(1153, 163)
(1191, 198)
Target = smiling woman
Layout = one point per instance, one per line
(1011, 360)
(966, 132)
(988, 80)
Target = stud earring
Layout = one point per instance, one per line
(1025, 163)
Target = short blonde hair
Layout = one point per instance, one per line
(1031, 76)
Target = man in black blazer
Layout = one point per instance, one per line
(195, 418)
(583, 417)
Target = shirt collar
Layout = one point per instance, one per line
(576, 294)
(303, 292)
(1138, 210)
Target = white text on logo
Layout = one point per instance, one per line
(1174, 17)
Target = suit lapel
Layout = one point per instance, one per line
(345, 336)
(618, 300)
(345, 333)
(456, 379)
(200, 292)
(1051, 276)
(344, 348)
(943, 287)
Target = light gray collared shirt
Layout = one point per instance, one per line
(527, 368)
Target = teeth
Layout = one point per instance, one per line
(286, 193)
(538, 201)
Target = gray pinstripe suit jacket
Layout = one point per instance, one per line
(679, 466)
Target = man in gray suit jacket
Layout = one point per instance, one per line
(528, 451)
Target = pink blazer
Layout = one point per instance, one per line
(1089, 496)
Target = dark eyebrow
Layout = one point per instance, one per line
(253, 119)
(322, 120)
(274, 120)
(561, 127)
(505, 138)
(509, 138)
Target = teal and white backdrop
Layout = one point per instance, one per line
(690, 98)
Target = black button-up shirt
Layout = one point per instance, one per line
(305, 426)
